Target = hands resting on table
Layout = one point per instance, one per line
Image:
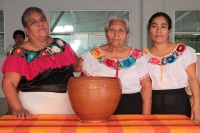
(195, 114)
(21, 114)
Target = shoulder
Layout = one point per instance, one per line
(96, 52)
(136, 53)
(59, 41)
(183, 48)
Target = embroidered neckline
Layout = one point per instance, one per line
(56, 46)
(124, 63)
(53, 40)
(168, 59)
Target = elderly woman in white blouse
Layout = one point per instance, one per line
(115, 59)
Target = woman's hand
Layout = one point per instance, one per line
(195, 113)
(21, 114)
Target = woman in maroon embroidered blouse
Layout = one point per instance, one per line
(42, 67)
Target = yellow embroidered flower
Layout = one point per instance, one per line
(144, 52)
(96, 53)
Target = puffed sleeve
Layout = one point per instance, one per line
(189, 57)
(8, 49)
(89, 64)
(142, 67)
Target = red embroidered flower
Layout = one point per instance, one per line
(136, 53)
(181, 48)
(154, 60)
(110, 63)
(43, 53)
(18, 51)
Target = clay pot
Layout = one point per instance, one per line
(94, 99)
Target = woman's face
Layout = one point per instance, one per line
(37, 26)
(19, 39)
(159, 31)
(116, 33)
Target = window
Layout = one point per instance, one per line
(187, 28)
(2, 31)
(83, 30)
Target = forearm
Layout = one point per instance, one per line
(194, 86)
(78, 66)
(147, 100)
(12, 97)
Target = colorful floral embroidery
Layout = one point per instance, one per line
(56, 46)
(144, 51)
(31, 56)
(136, 53)
(167, 59)
(110, 63)
(154, 60)
(181, 48)
(96, 53)
(18, 51)
(128, 62)
(120, 64)
(170, 59)
(43, 53)
(55, 49)
(60, 42)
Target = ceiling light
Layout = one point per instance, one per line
(195, 34)
(68, 28)
(58, 29)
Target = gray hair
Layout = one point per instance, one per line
(117, 18)
(28, 11)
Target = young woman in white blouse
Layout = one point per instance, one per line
(172, 67)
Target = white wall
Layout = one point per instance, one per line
(140, 12)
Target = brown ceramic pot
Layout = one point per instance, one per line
(94, 99)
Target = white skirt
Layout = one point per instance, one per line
(46, 102)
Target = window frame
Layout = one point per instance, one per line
(74, 32)
(3, 33)
(191, 33)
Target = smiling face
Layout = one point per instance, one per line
(159, 30)
(37, 26)
(116, 33)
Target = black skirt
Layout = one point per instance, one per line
(130, 104)
(173, 101)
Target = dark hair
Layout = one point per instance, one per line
(117, 18)
(19, 32)
(158, 14)
(28, 11)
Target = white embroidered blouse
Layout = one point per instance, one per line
(129, 70)
(169, 72)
